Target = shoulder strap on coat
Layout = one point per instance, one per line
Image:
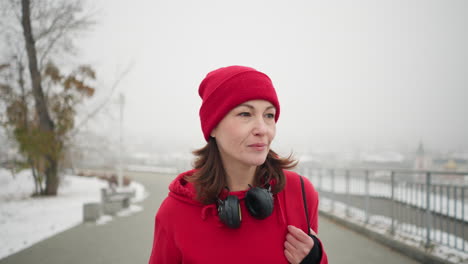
(305, 205)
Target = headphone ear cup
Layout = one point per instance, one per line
(259, 202)
(229, 212)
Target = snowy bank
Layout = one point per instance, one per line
(25, 220)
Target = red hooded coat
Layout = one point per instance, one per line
(187, 231)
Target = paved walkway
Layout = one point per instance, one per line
(129, 239)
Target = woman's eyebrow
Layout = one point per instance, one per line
(247, 105)
(252, 107)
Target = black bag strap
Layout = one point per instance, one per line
(305, 205)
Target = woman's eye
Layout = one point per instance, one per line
(270, 115)
(244, 114)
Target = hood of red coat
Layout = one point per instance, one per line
(183, 190)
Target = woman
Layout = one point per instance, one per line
(239, 204)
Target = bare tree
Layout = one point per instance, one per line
(46, 125)
(47, 28)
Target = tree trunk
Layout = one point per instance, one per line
(46, 124)
(52, 179)
(37, 183)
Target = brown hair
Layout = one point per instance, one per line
(210, 177)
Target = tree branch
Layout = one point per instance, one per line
(104, 103)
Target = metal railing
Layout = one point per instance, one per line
(429, 205)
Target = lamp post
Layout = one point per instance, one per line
(120, 166)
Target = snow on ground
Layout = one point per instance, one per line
(25, 220)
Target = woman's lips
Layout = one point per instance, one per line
(258, 146)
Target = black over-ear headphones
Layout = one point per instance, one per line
(259, 203)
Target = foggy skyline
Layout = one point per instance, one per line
(358, 74)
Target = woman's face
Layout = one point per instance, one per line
(244, 135)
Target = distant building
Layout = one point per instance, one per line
(422, 161)
(383, 159)
(445, 163)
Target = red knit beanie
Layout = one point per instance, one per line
(225, 88)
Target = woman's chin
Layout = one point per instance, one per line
(257, 161)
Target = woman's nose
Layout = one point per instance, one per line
(260, 127)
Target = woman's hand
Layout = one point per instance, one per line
(297, 245)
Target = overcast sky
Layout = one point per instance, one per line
(349, 74)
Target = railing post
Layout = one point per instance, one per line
(447, 223)
(367, 197)
(441, 192)
(392, 228)
(455, 198)
(348, 197)
(428, 210)
(463, 215)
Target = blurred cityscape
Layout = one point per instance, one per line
(95, 151)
